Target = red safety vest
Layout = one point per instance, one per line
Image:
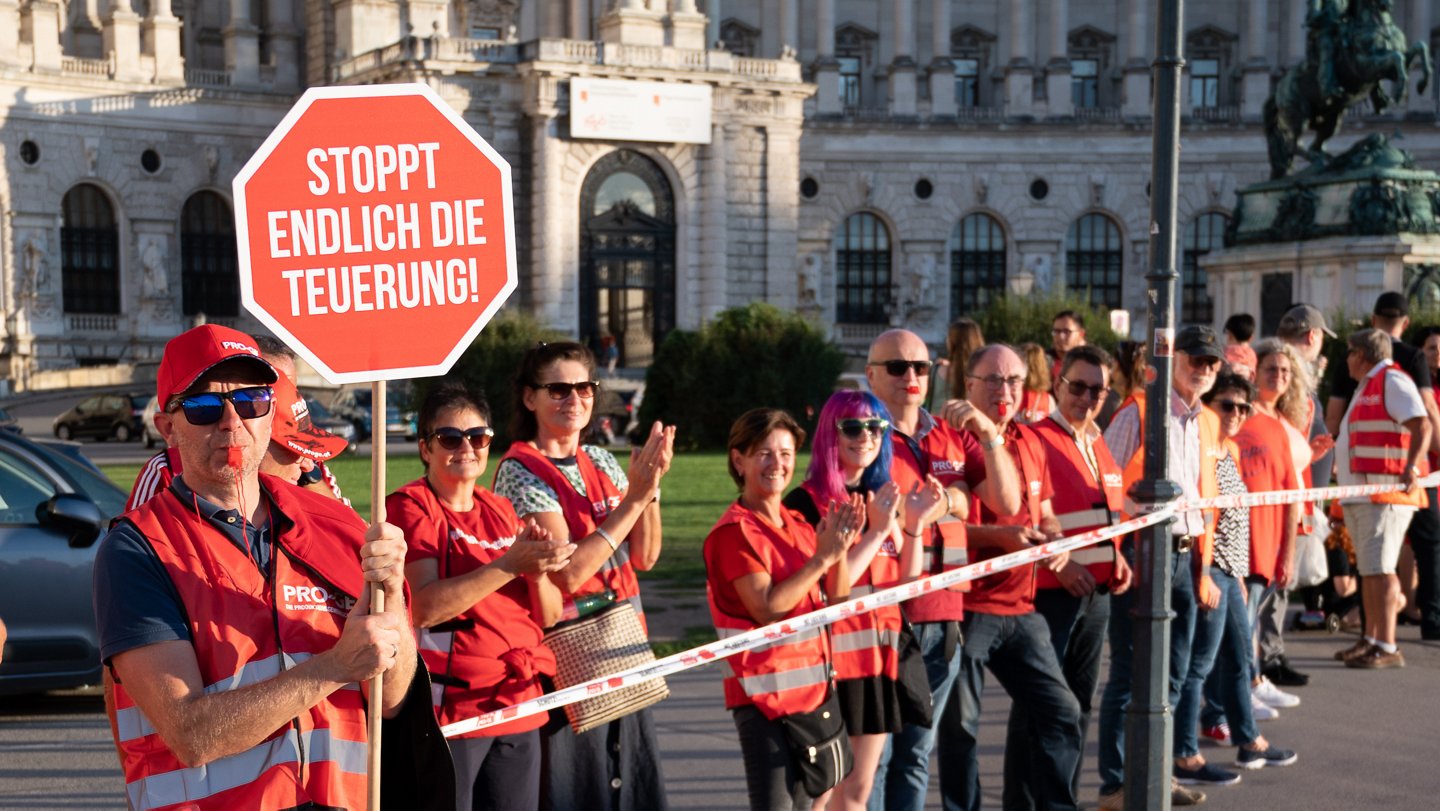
(583, 513)
(1379, 445)
(1034, 406)
(491, 655)
(867, 644)
(1011, 592)
(1083, 503)
(790, 676)
(942, 455)
(246, 629)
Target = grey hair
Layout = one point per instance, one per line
(1372, 343)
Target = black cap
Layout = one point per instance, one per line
(1391, 305)
(1200, 342)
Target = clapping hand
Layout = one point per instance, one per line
(535, 552)
(839, 529)
(650, 462)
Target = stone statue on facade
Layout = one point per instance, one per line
(34, 276)
(155, 277)
(1353, 48)
(810, 270)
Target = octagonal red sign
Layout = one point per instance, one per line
(376, 232)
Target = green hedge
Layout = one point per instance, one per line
(756, 355)
(1016, 319)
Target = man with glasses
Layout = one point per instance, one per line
(966, 453)
(1194, 444)
(1074, 598)
(1066, 333)
(1001, 630)
(233, 611)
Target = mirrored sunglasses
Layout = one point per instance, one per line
(206, 408)
(854, 428)
(559, 391)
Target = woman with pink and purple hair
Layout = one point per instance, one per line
(851, 454)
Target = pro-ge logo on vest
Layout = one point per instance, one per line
(956, 466)
(497, 544)
(1113, 480)
(242, 347)
(315, 598)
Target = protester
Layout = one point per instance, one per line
(1383, 436)
(1194, 443)
(1239, 329)
(1127, 381)
(1001, 630)
(578, 493)
(965, 453)
(1222, 649)
(202, 708)
(1036, 402)
(962, 339)
(1241, 360)
(479, 595)
(1067, 331)
(851, 455)
(297, 449)
(765, 563)
(1074, 600)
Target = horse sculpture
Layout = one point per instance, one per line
(1353, 48)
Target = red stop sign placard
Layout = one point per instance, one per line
(376, 232)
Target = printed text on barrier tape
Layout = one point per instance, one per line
(774, 632)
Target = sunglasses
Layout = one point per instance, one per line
(1078, 389)
(559, 391)
(1232, 406)
(451, 438)
(897, 368)
(208, 407)
(855, 428)
(1203, 362)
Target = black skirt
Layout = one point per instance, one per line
(870, 706)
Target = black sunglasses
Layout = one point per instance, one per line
(1078, 389)
(559, 391)
(897, 368)
(1231, 406)
(208, 407)
(451, 438)
(854, 428)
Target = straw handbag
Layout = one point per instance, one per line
(599, 645)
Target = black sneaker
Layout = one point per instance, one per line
(1249, 759)
(1281, 674)
(1207, 774)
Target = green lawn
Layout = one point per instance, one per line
(695, 493)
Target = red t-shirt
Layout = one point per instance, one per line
(1265, 465)
(953, 456)
(1011, 592)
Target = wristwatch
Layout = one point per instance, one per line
(992, 444)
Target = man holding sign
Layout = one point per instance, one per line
(233, 611)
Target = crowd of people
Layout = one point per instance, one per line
(234, 596)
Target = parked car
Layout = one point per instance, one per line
(148, 432)
(354, 405)
(9, 423)
(103, 416)
(322, 417)
(400, 423)
(52, 511)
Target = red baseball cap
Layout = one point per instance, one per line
(194, 352)
(294, 429)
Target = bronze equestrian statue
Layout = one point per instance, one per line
(1352, 48)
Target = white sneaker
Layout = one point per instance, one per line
(1274, 696)
(1262, 711)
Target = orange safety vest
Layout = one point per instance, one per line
(1035, 406)
(492, 654)
(1133, 469)
(246, 628)
(791, 675)
(942, 455)
(1379, 445)
(583, 513)
(1084, 503)
(868, 644)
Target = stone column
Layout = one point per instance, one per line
(9, 32)
(827, 68)
(714, 237)
(121, 40)
(160, 38)
(40, 23)
(942, 70)
(242, 45)
(1020, 72)
(782, 162)
(284, 44)
(1137, 62)
(1255, 83)
(1057, 70)
(1422, 16)
(548, 219)
(789, 25)
(902, 68)
(631, 23)
(580, 20)
(686, 26)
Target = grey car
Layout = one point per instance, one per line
(53, 509)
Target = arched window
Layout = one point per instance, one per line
(1204, 234)
(90, 252)
(209, 277)
(862, 270)
(977, 263)
(1094, 259)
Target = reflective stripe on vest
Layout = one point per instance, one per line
(1085, 502)
(1073, 523)
(952, 556)
(1378, 444)
(759, 684)
(864, 639)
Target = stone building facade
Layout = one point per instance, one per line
(868, 163)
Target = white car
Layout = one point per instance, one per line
(148, 431)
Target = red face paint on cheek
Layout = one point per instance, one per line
(234, 457)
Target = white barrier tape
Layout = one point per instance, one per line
(784, 629)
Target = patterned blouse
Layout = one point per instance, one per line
(528, 494)
(1232, 533)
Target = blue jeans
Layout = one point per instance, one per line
(1213, 714)
(1222, 643)
(903, 775)
(1077, 632)
(1122, 656)
(1017, 649)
